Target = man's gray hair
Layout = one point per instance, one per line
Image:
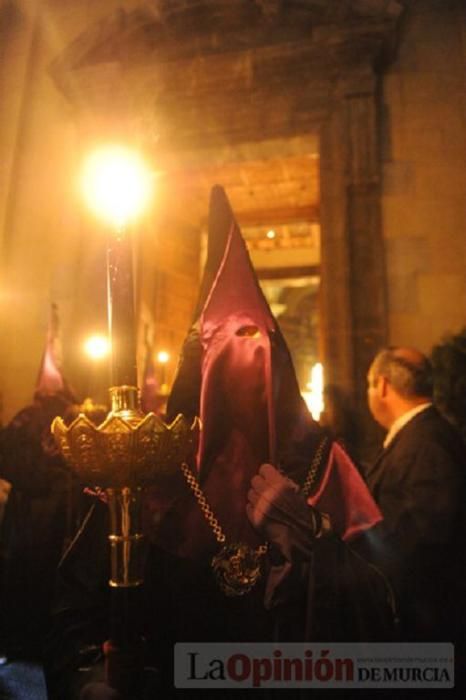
(411, 378)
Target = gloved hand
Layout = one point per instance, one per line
(277, 509)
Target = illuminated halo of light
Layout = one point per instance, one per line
(163, 356)
(97, 346)
(116, 183)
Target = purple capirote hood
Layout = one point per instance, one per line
(237, 374)
(50, 379)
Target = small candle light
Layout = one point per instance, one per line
(314, 396)
(163, 358)
(97, 347)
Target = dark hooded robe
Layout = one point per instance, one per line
(38, 513)
(236, 373)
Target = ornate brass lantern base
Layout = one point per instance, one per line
(128, 451)
(128, 448)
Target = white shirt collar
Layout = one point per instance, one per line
(402, 420)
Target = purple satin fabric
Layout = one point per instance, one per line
(343, 494)
(236, 406)
(250, 405)
(50, 379)
(236, 325)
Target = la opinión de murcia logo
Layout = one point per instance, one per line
(242, 667)
(314, 665)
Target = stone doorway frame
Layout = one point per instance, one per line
(333, 84)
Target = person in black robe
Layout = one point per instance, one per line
(38, 513)
(36, 521)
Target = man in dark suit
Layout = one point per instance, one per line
(418, 482)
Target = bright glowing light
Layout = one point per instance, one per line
(314, 398)
(163, 356)
(116, 184)
(97, 347)
(271, 234)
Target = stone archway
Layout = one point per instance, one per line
(194, 78)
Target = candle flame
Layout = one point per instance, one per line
(163, 356)
(97, 346)
(314, 396)
(116, 184)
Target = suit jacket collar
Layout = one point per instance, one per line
(417, 418)
(403, 420)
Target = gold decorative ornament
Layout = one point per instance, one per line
(126, 539)
(238, 567)
(128, 448)
(123, 454)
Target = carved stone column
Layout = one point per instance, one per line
(353, 270)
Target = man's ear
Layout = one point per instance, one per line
(383, 385)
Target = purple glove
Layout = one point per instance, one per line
(277, 510)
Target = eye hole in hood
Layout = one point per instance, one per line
(250, 331)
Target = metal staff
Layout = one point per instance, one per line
(128, 451)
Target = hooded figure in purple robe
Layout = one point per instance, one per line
(254, 540)
(258, 442)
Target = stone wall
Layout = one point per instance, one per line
(39, 230)
(52, 249)
(424, 175)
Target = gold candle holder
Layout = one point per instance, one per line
(127, 452)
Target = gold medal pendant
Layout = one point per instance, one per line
(237, 568)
